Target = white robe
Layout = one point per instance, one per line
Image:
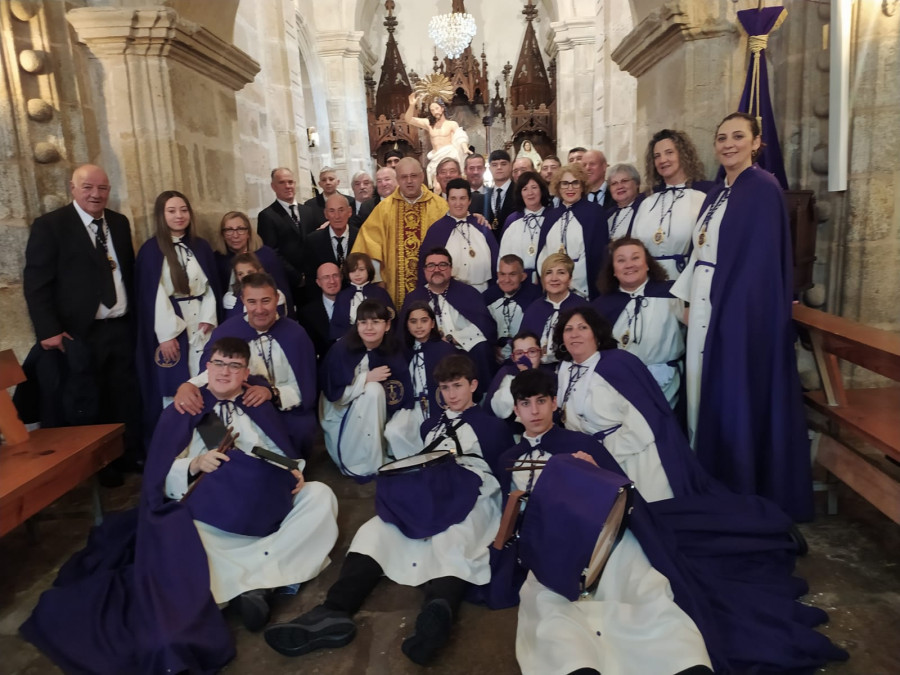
(674, 212)
(362, 442)
(618, 222)
(521, 239)
(294, 553)
(655, 337)
(475, 271)
(593, 406)
(508, 320)
(401, 433)
(694, 286)
(574, 248)
(459, 551)
(451, 322)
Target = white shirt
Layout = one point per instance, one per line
(121, 306)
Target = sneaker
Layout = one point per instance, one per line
(319, 628)
(254, 609)
(432, 632)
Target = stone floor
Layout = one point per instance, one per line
(852, 569)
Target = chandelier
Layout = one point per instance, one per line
(452, 32)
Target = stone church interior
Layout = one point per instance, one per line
(211, 98)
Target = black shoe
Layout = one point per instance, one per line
(797, 537)
(319, 628)
(432, 632)
(254, 609)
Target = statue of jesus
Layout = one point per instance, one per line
(448, 139)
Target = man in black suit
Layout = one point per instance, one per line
(333, 243)
(79, 288)
(284, 225)
(499, 200)
(315, 316)
(385, 184)
(595, 165)
(328, 182)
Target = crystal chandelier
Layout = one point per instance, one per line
(452, 32)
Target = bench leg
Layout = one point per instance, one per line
(96, 501)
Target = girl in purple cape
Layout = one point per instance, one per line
(745, 410)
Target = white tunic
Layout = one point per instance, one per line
(473, 270)
(359, 450)
(694, 286)
(460, 551)
(567, 236)
(451, 322)
(402, 431)
(521, 239)
(548, 346)
(508, 318)
(295, 553)
(655, 336)
(591, 405)
(618, 222)
(669, 214)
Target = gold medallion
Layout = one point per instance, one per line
(162, 361)
(112, 264)
(471, 252)
(626, 338)
(659, 237)
(531, 250)
(701, 239)
(393, 390)
(562, 248)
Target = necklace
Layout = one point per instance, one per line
(567, 218)
(639, 302)
(462, 227)
(576, 372)
(615, 223)
(532, 227)
(666, 213)
(720, 199)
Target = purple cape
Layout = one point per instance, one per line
(157, 382)
(440, 232)
(340, 317)
(592, 218)
(540, 311)
(611, 305)
(339, 368)
(137, 598)
(301, 421)
(493, 434)
(433, 351)
(271, 264)
(751, 431)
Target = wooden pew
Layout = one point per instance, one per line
(863, 434)
(38, 468)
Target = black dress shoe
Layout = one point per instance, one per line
(319, 628)
(432, 632)
(254, 608)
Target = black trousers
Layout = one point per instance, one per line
(361, 573)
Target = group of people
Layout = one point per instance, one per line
(467, 340)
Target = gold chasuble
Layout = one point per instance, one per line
(393, 233)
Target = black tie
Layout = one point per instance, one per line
(107, 284)
(497, 201)
(340, 251)
(294, 217)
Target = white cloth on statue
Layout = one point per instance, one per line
(200, 309)
(451, 322)
(594, 406)
(694, 286)
(475, 271)
(459, 551)
(295, 553)
(278, 373)
(508, 318)
(655, 337)
(521, 239)
(673, 211)
(455, 149)
(567, 236)
(618, 222)
(402, 431)
(361, 449)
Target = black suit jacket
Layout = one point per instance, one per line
(319, 251)
(63, 273)
(609, 204)
(496, 221)
(365, 210)
(313, 317)
(278, 230)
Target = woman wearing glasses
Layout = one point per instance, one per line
(625, 188)
(365, 380)
(237, 235)
(577, 227)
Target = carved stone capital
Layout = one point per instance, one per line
(572, 32)
(661, 32)
(159, 32)
(344, 43)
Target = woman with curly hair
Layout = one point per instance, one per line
(665, 219)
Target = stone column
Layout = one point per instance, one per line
(345, 56)
(163, 92)
(574, 44)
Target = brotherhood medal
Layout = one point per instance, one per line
(701, 239)
(659, 237)
(626, 338)
(531, 250)
(471, 252)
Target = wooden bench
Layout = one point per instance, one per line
(861, 443)
(38, 468)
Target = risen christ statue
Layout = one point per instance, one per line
(448, 139)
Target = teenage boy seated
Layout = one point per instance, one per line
(442, 565)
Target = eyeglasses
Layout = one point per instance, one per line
(532, 352)
(233, 366)
(617, 183)
(234, 230)
(566, 184)
(437, 266)
(370, 323)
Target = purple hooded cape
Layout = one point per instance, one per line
(340, 317)
(592, 218)
(433, 351)
(301, 422)
(493, 434)
(540, 311)
(470, 303)
(611, 305)
(527, 294)
(271, 264)
(737, 589)
(137, 598)
(440, 232)
(751, 431)
(157, 382)
(339, 369)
